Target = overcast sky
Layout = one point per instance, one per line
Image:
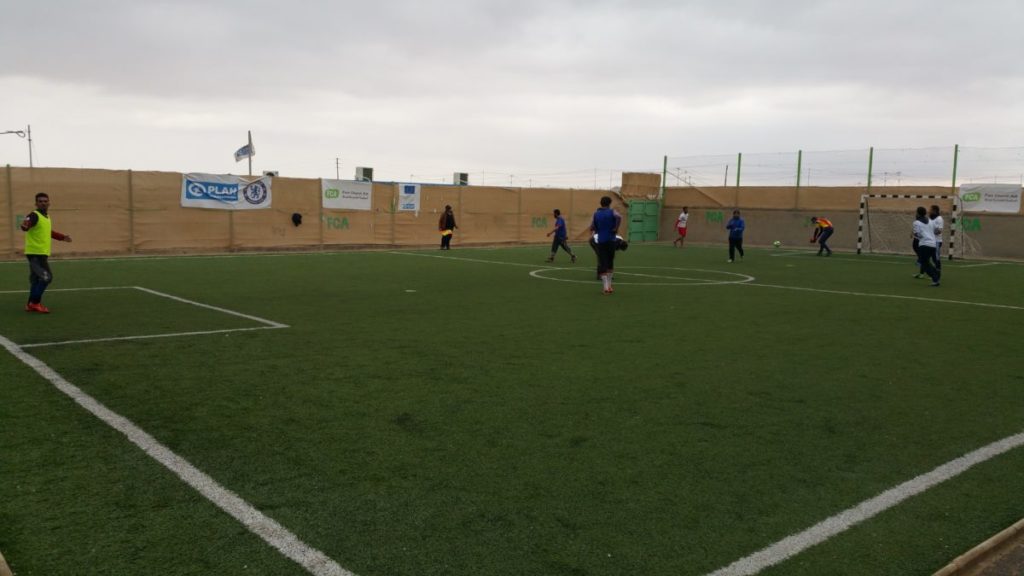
(420, 89)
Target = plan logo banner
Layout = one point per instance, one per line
(990, 197)
(346, 194)
(224, 192)
(409, 198)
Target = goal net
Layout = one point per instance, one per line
(887, 222)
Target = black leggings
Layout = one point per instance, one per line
(734, 245)
(927, 256)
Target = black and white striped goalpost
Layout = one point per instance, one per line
(953, 218)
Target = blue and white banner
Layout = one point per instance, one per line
(224, 192)
(247, 151)
(990, 197)
(346, 194)
(409, 198)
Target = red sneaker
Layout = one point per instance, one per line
(41, 309)
(30, 307)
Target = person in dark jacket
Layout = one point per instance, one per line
(446, 224)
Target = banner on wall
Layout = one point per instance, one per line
(224, 192)
(346, 194)
(990, 197)
(409, 198)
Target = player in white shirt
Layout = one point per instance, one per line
(938, 224)
(925, 236)
(681, 226)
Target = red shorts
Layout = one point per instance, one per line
(682, 231)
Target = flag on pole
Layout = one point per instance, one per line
(247, 151)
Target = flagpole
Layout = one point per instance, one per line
(250, 152)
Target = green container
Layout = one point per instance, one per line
(644, 220)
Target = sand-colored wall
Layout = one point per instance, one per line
(124, 212)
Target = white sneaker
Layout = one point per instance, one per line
(729, 260)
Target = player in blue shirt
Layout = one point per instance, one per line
(561, 237)
(736, 226)
(606, 226)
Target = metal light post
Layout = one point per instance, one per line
(23, 134)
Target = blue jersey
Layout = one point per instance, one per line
(605, 224)
(560, 228)
(736, 226)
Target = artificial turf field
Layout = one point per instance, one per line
(430, 412)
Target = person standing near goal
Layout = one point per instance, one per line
(735, 226)
(822, 231)
(39, 236)
(681, 226)
(937, 223)
(561, 237)
(925, 236)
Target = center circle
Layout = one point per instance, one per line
(652, 279)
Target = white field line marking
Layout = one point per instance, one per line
(209, 307)
(896, 296)
(689, 281)
(858, 260)
(313, 560)
(826, 529)
(148, 336)
(71, 289)
(979, 265)
(869, 294)
(473, 260)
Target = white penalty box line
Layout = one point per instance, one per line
(266, 324)
(270, 531)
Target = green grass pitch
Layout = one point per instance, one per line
(430, 412)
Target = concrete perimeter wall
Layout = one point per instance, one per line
(112, 212)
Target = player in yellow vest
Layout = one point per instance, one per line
(39, 235)
(822, 230)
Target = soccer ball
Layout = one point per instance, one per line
(776, 243)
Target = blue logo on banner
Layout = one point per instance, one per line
(255, 193)
(218, 191)
(408, 189)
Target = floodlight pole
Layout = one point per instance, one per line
(739, 167)
(22, 134)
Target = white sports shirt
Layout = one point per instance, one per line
(924, 234)
(681, 221)
(937, 225)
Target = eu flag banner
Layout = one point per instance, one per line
(409, 198)
(247, 151)
(225, 192)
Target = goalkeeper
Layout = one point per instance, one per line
(822, 232)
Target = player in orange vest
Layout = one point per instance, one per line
(822, 230)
